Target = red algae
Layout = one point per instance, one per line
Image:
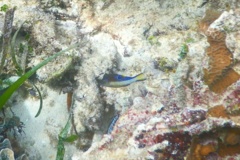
(178, 144)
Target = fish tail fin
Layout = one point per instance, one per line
(140, 77)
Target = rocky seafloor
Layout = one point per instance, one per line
(187, 108)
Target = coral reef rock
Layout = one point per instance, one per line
(187, 108)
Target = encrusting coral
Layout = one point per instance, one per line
(232, 137)
(220, 74)
(198, 151)
(230, 143)
(216, 144)
(218, 111)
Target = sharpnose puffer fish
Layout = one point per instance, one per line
(116, 80)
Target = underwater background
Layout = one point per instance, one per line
(120, 79)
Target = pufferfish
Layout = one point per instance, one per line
(116, 80)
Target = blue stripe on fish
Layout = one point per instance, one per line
(122, 78)
(115, 80)
(112, 124)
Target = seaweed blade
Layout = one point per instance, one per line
(7, 94)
